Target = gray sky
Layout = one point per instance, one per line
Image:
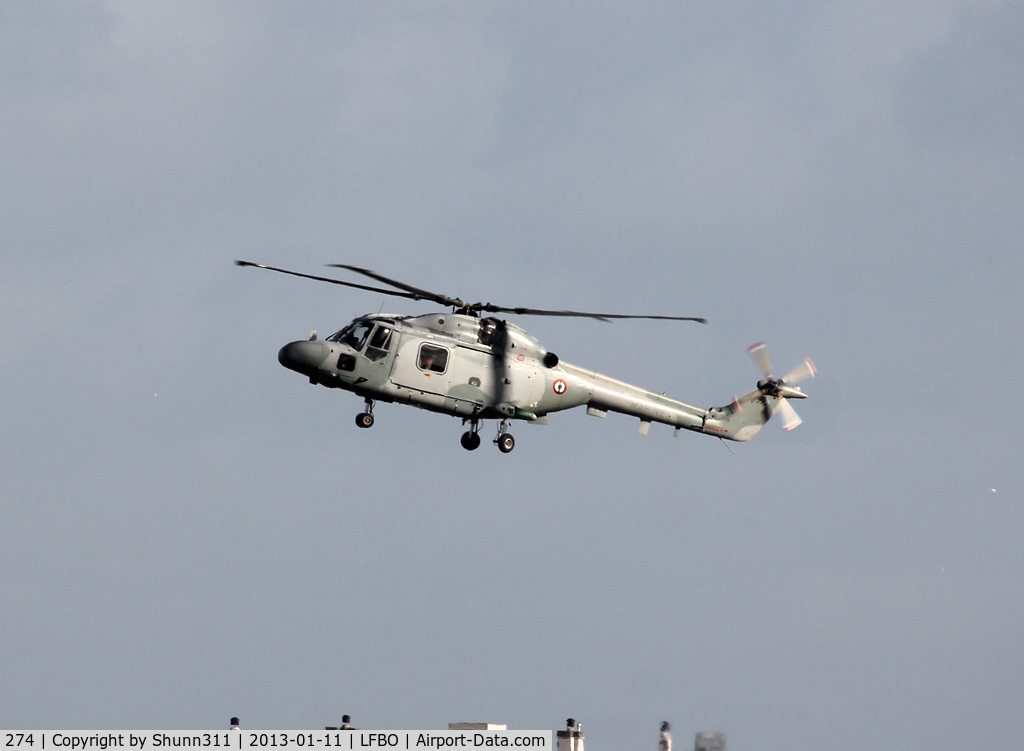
(192, 532)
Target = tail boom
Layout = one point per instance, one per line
(739, 421)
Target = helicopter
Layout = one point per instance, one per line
(478, 367)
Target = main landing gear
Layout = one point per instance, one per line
(471, 438)
(504, 441)
(365, 419)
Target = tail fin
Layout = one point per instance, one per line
(743, 419)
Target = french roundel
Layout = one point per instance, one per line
(559, 386)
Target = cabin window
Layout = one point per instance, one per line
(433, 358)
(356, 335)
(346, 362)
(378, 346)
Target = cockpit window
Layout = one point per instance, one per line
(432, 358)
(486, 334)
(355, 335)
(378, 347)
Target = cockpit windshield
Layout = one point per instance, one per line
(336, 336)
(354, 335)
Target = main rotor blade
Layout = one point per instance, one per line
(801, 372)
(489, 308)
(790, 419)
(760, 354)
(328, 279)
(416, 291)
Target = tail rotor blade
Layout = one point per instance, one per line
(801, 372)
(760, 354)
(790, 419)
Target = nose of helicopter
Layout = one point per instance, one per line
(303, 356)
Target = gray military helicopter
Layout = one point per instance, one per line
(479, 368)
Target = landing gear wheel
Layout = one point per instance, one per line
(470, 441)
(506, 443)
(364, 420)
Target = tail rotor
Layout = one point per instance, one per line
(782, 389)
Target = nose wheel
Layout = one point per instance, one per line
(365, 419)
